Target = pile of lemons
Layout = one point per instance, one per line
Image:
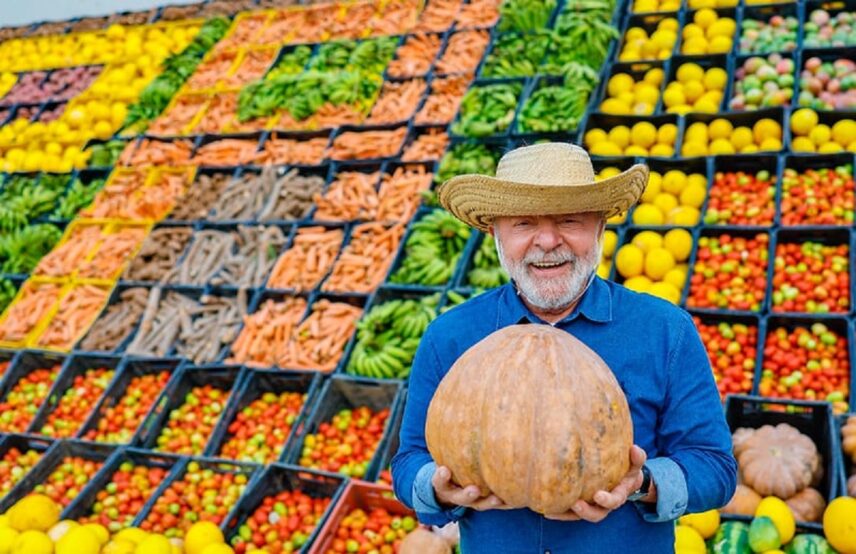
(606, 173)
(650, 6)
(32, 526)
(656, 263)
(639, 46)
(640, 139)
(673, 198)
(722, 137)
(809, 135)
(610, 241)
(7, 81)
(626, 96)
(708, 34)
(695, 90)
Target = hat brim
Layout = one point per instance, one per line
(478, 199)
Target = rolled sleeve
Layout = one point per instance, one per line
(671, 492)
(424, 500)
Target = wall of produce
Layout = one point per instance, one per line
(220, 246)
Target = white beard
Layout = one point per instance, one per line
(554, 293)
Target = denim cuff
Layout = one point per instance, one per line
(424, 500)
(672, 493)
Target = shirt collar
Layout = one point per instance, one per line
(595, 305)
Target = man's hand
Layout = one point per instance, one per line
(449, 494)
(607, 501)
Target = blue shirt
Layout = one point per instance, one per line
(658, 358)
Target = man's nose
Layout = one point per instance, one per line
(548, 237)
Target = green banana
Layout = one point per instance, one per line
(516, 55)
(21, 250)
(487, 110)
(432, 250)
(486, 273)
(525, 15)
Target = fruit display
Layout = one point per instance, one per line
(738, 198)
(68, 478)
(15, 465)
(671, 198)
(432, 250)
(655, 263)
(347, 443)
(722, 136)
(190, 425)
(709, 33)
(730, 272)
(627, 96)
(818, 196)
(763, 83)
(19, 407)
(636, 138)
(610, 242)
(695, 89)
(808, 134)
(653, 43)
(376, 527)
(283, 522)
(774, 34)
(77, 403)
(811, 277)
(827, 85)
(823, 30)
(732, 349)
(117, 505)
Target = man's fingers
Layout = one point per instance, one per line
(638, 457)
(491, 502)
(589, 512)
(567, 516)
(610, 500)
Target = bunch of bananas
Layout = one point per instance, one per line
(388, 335)
(525, 15)
(432, 250)
(486, 272)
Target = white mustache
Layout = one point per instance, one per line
(542, 259)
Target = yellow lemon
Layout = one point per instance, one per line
(715, 78)
(685, 216)
(773, 145)
(634, 150)
(615, 107)
(688, 539)
(646, 94)
(133, 535)
(653, 188)
(103, 130)
(119, 547)
(820, 134)
(766, 128)
(665, 202)
(648, 214)
(608, 172)
(829, 148)
(706, 523)
(674, 96)
(619, 136)
(217, 549)
(33, 542)
(639, 283)
(4, 521)
(844, 131)
(610, 240)
(839, 524)
(802, 144)
(705, 17)
(618, 83)
(606, 149)
(776, 509)
(741, 137)
(658, 262)
(721, 146)
(669, 23)
(654, 76)
(155, 544)
(693, 90)
(693, 195)
(803, 121)
(694, 46)
(643, 134)
(679, 242)
(100, 532)
(677, 277)
(629, 262)
(667, 133)
(674, 181)
(643, 6)
(719, 45)
(34, 512)
(689, 72)
(693, 148)
(603, 269)
(7, 539)
(202, 534)
(647, 241)
(59, 530)
(720, 128)
(662, 151)
(667, 291)
(691, 30)
(594, 136)
(79, 540)
(722, 27)
(696, 132)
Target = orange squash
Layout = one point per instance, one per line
(534, 416)
(778, 461)
(807, 505)
(744, 502)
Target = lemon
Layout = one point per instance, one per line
(741, 137)
(693, 90)
(131, 534)
(34, 512)
(642, 6)
(653, 188)
(803, 121)
(667, 133)
(719, 45)
(820, 134)
(696, 132)
(774, 145)
(203, 533)
(691, 30)
(721, 146)
(667, 291)
(766, 128)
(689, 72)
(608, 172)
(829, 148)
(644, 134)
(217, 549)
(610, 240)
(662, 150)
(646, 94)
(4, 521)
(679, 242)
(654, 76)
(59, 530)
(614, 106)
(76, 117)
(693, 195)
(619, 136)
(715, 78)
(618, 83)
(665, 202)
(720, 128)
(7, 539)
(688, 540)
(705, 17)
(677, 277)
(776, 509)
(155, 544)
(802, 144)
(685, 216)
(658, 262)
(606, 149)
(119, 547)
(629, 262)
(694, 46)
(647, 241)
(839, 524)
(844, 131)
(100, 532)
(674, 181)
(648, 214)
(669, 23)
(603, 269)
(722, 27)
(634, 150)
(33, 542)
(594, 136)
(639, 283)
(674, 96)
(103, 130)
(706, 523)
(79, 540)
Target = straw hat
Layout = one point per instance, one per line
(542, 179)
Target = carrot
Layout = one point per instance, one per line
(112, 200)
(463, 52)
(221, 116)
(365, 145)
(156, 201)
(210, 71)
(267, 333)
(243, 32)
(64, 259)
(397, 102)
(429, 146)
(319, 341)
(315, 22)
(292, 151)
(304, 265)
(365, 261)
(442, 104)
(400, 193)
(287, 122)
(23, 315)
(354, 23)
(174, 120)
(478, 14)
(415, 56)
(115, 250)
(329, 116)
(77, 311)
(396, 18)
(158, 152)
(253, 66)
(284, 22)
(226, 152)
(438, 16)
(352, 196)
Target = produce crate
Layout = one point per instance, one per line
(275, 137)
(336, 170)
(225, 378)
(320, 172)
(566, 134)
(227, 172)
(738, 63)
(743, 119)
(832, 7)
(763, 13)
(688, 17)
(825, 236)
(384, 476)
(750, 164)
(115, 298)
(254, 384)
(343, 392)
(628, 237)
(82, 506)
(365, 496)
(606, 122)
(130, 368)
(691, 166)
(848, 468)
(829, 118)
(276, 478)
(519, 85)
(326, 226)
(417, 133)
(76, 365)
(252, 141)
(801, 164)
(648, 23)
(722, 61)
(813, 419)
(23, 444)
(635, 70)
(51, 461)
(25, 363)
(463, 280)
(472, 153)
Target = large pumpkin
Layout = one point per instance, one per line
(534, 416)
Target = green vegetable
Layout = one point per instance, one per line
(21, 250)
(467, 158)
(487, 273)
(559, 108)
(291, 63)
(7, 293)
(432, 250)
(582, 34)
(23, 198)
(516, 55)
(106, 154)
(78, 197)
(525, 15)
(454, 298)
(332, 55)
(487, 110)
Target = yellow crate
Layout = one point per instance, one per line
(239, 19)
(35, 338)
(63, 283)
(115, 226)
(188, 171)
(67, 235)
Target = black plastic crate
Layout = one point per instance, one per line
(254, 384)
(813, 419)
(342, 392)
(648, 23)
(23, 444)
(277, 478)
(801, 164)
(50, 462)
(833, 7)
(225, 378)
(606, 122)
(691, 166)
(745, 119)
(76, 365)
(751, 164)
(25, 363)
(120, 340)
(129, 369)
(637, 71)
(763, 14)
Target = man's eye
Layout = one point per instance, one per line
(522, 223)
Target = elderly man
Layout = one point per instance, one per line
(548, 216)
